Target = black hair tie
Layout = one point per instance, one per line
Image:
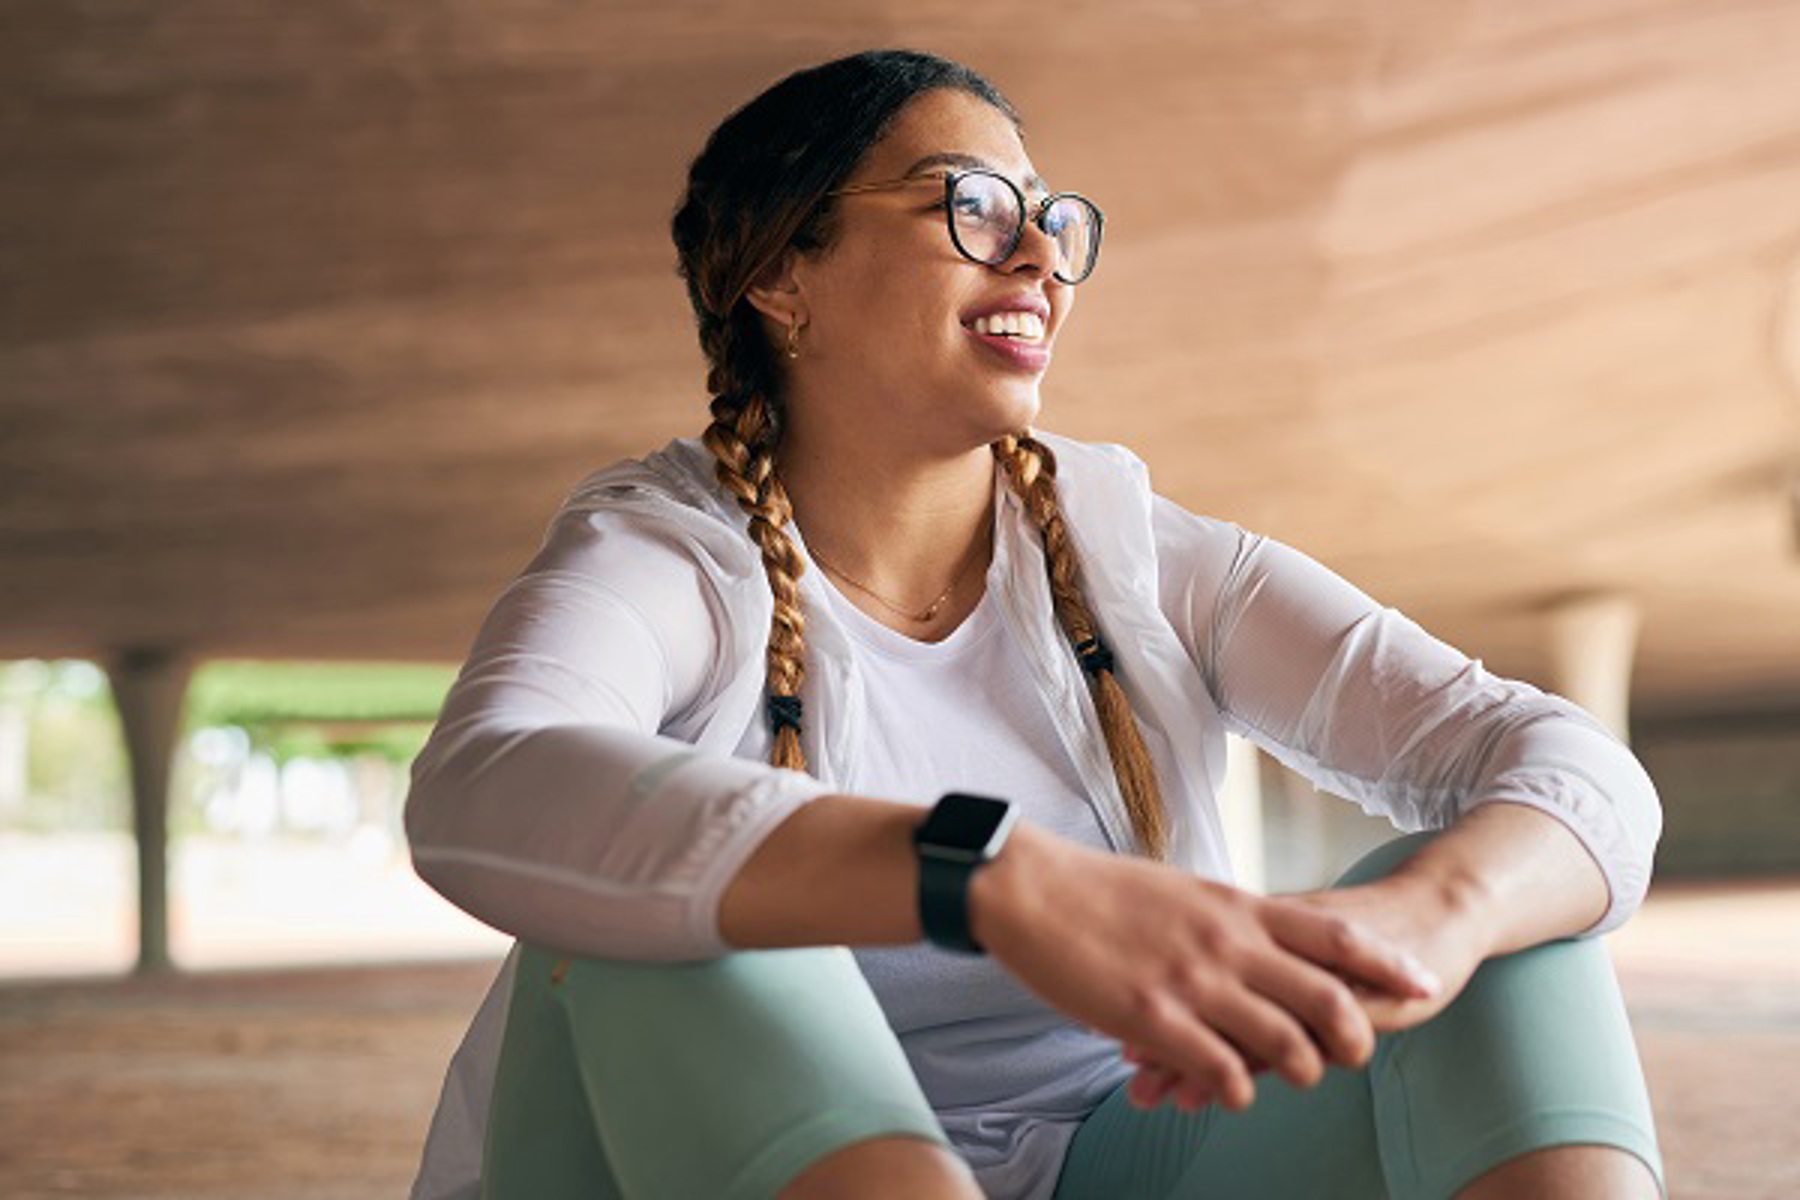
(784, 712)
(1094, 656)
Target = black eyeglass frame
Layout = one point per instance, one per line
(951, 179)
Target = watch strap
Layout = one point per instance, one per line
(944, 902)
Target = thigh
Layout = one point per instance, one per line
(1293, 1143)
(723, 1078)
(1536, 1051)
(1539, 1054)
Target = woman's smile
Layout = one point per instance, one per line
(1014, 329)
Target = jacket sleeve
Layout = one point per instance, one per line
(1366, 704)
(546, 802)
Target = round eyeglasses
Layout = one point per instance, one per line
(986, 215)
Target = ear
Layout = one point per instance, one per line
(777, 293)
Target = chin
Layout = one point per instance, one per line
(985, 414)
(1020, 414)
(1006, 404)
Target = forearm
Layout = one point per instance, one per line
(1520, 873)
(842, 871)
(592, 840)
(839, 870)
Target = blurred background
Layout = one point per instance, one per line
(311, 314)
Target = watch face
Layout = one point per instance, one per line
(965, 826)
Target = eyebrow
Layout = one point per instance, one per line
(950, 158)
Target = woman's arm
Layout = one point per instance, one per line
(1548, 822)
(1368, 705)
(545, 802)
(840, 871)
(1503, 878)
(1519, 873)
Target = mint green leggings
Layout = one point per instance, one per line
(725, 1079)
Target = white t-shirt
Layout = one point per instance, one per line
(1010, 1077)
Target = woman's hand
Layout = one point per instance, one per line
(1206, 979)
(1407, 912)
(1411, 913)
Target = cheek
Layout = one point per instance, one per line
(915, 323)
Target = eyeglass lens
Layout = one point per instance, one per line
(987, 223)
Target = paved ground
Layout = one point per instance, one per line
(319, 1082)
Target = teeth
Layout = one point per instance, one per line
(1027, 326)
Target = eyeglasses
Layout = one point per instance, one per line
(986, 215)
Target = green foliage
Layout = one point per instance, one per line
(284, 742)
(321, 710)
(248, 693)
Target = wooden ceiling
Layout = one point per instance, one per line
(310, 314)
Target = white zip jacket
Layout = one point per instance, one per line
(598, 772)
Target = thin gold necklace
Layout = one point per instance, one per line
(922, 617)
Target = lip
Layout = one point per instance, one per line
(1033, 357)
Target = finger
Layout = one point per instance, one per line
(1191, 1095)
(1252, 1064)
(1330, 1009)
(1268, 1034)
(1337, 941)
(1149, 1087)
(1176, 1036)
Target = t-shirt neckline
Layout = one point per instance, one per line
(874, 635)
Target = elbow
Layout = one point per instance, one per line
(421, 817)
(1640, 811)
(1643, 818)
(1639, 822)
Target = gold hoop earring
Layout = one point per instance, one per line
(792, 350)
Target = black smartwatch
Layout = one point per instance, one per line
(962, 834)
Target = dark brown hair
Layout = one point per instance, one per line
(757, 191)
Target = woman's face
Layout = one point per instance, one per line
(896, 344)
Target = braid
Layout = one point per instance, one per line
(742, 437)
(1031, 469)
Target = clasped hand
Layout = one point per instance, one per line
(1205, 984)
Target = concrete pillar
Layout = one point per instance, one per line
(1593, 638)
(1241, 812)
(148, 686)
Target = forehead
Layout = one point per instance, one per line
(947, 122)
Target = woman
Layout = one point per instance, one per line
(691, 755)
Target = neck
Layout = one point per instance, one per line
(903, 525)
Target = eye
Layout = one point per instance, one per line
(972, 206)
(980, 199)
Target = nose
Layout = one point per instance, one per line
(1036, 252)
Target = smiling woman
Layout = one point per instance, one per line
(905, 876)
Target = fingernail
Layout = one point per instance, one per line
(1423, 976)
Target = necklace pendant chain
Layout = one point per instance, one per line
(931, 610)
